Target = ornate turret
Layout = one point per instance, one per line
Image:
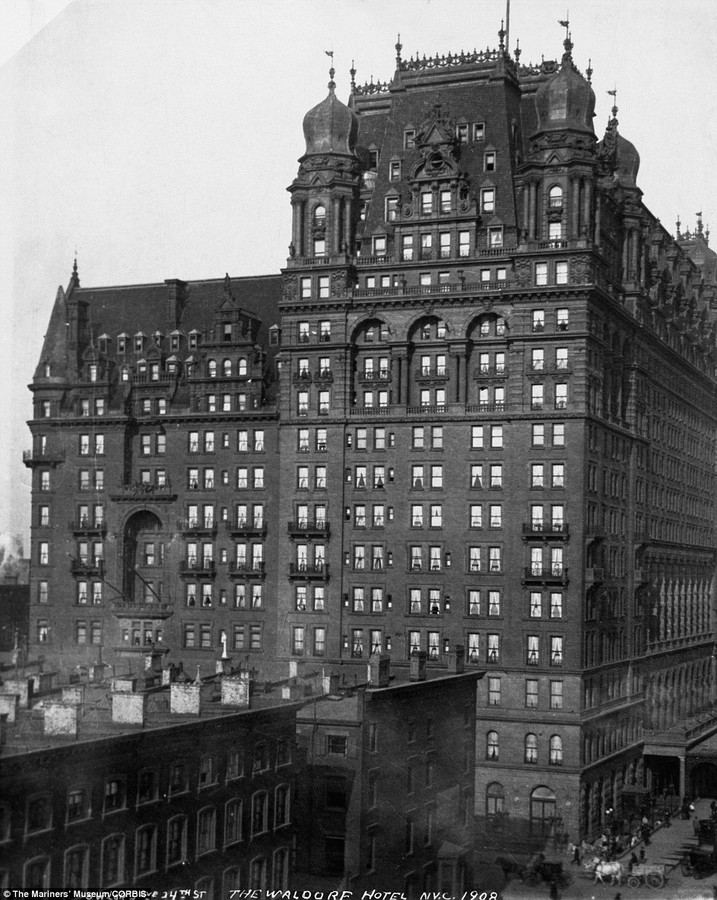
(617, 154)
(324, 193)
(330, 127)
(566, 101)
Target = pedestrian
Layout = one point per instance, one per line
(553, 891)
(576, 856)
(633, 862)
(642, 854)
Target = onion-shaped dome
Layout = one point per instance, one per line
(628, 162)
(566, 101)
(330, 127)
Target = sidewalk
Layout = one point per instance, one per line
(666, 847)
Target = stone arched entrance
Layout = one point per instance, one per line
(143, 548)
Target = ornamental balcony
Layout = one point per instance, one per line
(138, 490)
(487, 371)
(545, 575)
(382, 376)
(247, 568)
(308, 528)
(143, 610)
(546, 529)
(247, 528)
(197, 566)
(303, 376)
(43, 457)
(197, 526)
(87, 526)
(309, 571)
(87, 565)
(323, 375)
(431, 373)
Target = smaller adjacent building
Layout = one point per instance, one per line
(154, 781)
(390, 779)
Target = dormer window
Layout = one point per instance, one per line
(373, 160)
(92, 371)
(462, 133)
(46, 370)
(226, 332)
(193, 340)
(555, 197)
(138, 342)
(409, 139)
(122, 343)
(158, 337)
(489, 161)
(394, 170)
(391, 209)
(488, 200)
(174, 339)
(478, 131)
(379, 245)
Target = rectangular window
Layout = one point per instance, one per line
(538, 320)
(488, 200)
(561, 396)
(556, 651)
(556, 694)
(531, 693)
(494, 692)
(561, 273)
(541, 273)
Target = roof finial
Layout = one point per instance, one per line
(518, 51)
(501, 36)
(613, 94)
(352, 73)
(567, 43)
(332, 71)
(399, 47)
(678, 225)
(75, 276)
(589, 71)
(699, 223)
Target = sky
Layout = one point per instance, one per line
(155, 139)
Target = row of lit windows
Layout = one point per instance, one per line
(201, 636)
(205, 479)
(532, 693)
(530, 748)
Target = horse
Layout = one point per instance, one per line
(602, 869)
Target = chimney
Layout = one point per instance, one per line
(9, 706)
(223, 666)
(3, 729)
(235, 690)
(125, 684)
(176, 298)
(379, 670)
(417, 671)
(73, 694)
(293, 668)
(20, 686)
(129, 708)
(153, 661)
(456, 660)
(60, 720)
(170, 674)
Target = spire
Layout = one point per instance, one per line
(399, 47)
(501, 37)
(74, 278)
(678, 225)
(332, 71)
(589, 71)
(518, 51)
(352, 73)
(613, 94)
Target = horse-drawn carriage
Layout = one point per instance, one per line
(652, 875)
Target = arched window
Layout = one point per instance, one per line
(176, 840)
(226, 367)
(281, 869)
(232, 880)
(257, 873)
(542, 811)
(37, 874)
(491, 745)
(205, 887)
(494, 799)
(531, 748)
(242, 366)
(319, 215)
(556, 750)
(212, 368)
(76, 868)
(555, 197)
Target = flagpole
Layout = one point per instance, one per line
(507, 25)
